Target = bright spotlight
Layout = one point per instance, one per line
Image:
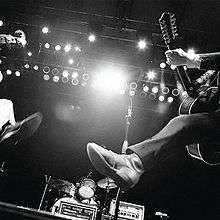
(17, 73)
(57, 47)
(67, 48)
(70, 61)
(155, 89)
(56, 79)
(46, 77)
(145, 88)
(75, 74)
(47, 45)
(170, 99)
(65, 73)
(151, 75)
(1, 76)
(45, 30)
(46, 69)
(8, 72)
(161, 98)
(29, 53)
(142, 44)
(36, 67)
(191, 53)
(110, 80)
(1, 23)
(172, 67)
(92, 38)
(132, 93)
(162, 65)
(26, 66)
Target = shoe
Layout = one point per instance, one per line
(23, 129)
(124, 169)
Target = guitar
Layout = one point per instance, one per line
(12, 40)
(199, 99)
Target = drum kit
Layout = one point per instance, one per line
(85, 191)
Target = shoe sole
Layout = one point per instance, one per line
(100, 164)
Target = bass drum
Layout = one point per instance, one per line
(87, 188)
(56, 207)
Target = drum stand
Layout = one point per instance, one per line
(124, 148)
(47, 180)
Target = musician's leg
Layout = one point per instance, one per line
(180, 131)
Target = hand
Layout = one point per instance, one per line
(179, 57)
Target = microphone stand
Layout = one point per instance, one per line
(124, 148)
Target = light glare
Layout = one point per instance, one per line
(151, 75)
(45, 30)
(142, 44)
(92, 38)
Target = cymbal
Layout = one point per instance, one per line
(107, 183)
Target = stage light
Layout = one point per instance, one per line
(46, 69)
(1, 23)
(172, 67)
(47, 45)
(175, 92)
(55, 71)
(8, 72)
(170, 99)
(26, 66)
(75, 74)
(85, 76)
(46, 77)
(57, 47)
(133, 85)
(45, 30)
(151, 75)
(75, 81)
(110, 80)
(36, 67)
(145, 88)
(0, 61)
(77, 48)
(132, 93)
(165, 90)
(162, 65)
(67, 48)
(56, 79)
(65, 73)
(191, 53)
(155, 89)
(1, 76)
(17, 73)
(142, 44)
(29, 53)
(92, 38)
(65, 79)
(70, 61)
(161, 98)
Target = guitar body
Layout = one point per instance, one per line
(199, 100)
(206, 151)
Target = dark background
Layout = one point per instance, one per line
(183, 187)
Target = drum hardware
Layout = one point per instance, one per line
(107, 183)
(47, 180)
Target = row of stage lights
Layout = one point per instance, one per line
(75, 78)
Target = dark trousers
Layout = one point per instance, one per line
(179, 132)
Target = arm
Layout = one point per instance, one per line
(209, 61)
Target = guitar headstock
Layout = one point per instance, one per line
(168, 28)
